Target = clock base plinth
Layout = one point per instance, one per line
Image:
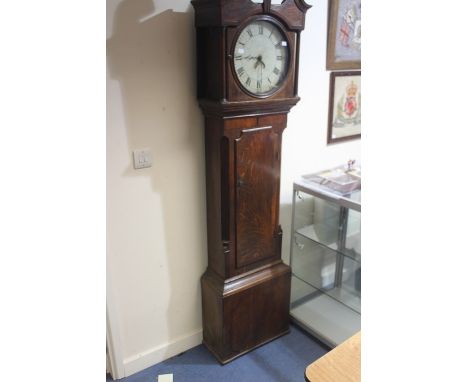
(244, 313)
(227, 360)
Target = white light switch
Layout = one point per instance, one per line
(142, 158)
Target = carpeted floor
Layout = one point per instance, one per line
(284, 359)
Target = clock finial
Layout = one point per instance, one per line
(266, 6)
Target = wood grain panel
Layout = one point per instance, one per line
(342, 364)
(258, 314)
(256, 152)
(212, 315)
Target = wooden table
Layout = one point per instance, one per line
(342, 364)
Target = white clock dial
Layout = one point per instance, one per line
(261, 57)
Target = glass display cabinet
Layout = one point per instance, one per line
(326, 254)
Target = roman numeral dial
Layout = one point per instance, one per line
(261, 58)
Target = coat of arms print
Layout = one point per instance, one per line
(345, 106)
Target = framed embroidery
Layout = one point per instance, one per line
(344, 35)
(344, 116)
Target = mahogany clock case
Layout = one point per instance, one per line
(246, 287)
(218, 23)
(220, 82)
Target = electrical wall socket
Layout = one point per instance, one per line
(142, 158)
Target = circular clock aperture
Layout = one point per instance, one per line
(261, 57)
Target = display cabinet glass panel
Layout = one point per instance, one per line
(326, 256)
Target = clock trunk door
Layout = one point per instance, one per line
(257, 173)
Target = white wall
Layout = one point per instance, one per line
(156, 216)
(305, 147)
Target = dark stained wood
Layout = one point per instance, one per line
(245, 290)
(293, 12)
(235, 129)
(233, 12)
(239, 109)
(256, 154)
(242, 314)
(214, 147)
(210, 47)
(218, 23)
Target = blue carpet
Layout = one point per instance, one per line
(284, 359)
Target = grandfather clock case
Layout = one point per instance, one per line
(247, 73)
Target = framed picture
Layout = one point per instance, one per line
(344, 116)
(344, 35)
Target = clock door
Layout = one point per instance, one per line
(257, 176)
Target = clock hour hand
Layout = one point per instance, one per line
(260, 62)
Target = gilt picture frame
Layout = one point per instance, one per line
(344, 115)
(344, 35)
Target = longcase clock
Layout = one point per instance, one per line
(247, 68)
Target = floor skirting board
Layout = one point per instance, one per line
(158, 354)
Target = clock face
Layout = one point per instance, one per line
(261, 58)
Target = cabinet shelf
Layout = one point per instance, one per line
(312, 232)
